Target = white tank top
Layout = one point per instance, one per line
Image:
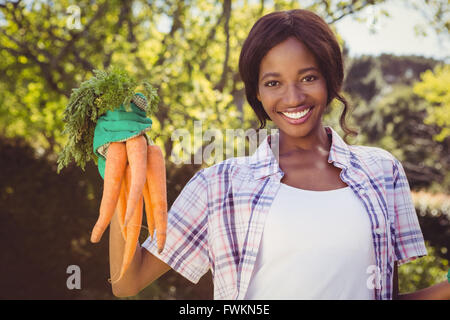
(315, 245)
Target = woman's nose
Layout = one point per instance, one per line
(293, 96)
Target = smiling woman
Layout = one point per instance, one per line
(302, 37)
(323, 220)
(297, 92)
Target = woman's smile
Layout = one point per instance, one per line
(298, 115)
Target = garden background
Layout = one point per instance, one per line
(189, 50)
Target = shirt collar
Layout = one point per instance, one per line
(264, 160)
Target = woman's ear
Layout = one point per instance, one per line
(258, 97)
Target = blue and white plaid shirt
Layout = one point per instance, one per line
(217, 220)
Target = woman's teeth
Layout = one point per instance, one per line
(296, 115)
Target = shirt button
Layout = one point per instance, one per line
(378, 231)
(362, 192)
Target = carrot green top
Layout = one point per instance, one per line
(120, 125)
(98, 98)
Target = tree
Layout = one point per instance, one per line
(435, 13)
(434, 88)
(395, 123)
(389, 114)
(369, 77)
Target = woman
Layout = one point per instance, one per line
(306, 216)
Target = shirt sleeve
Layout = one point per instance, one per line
(186, 247)
(409, 241)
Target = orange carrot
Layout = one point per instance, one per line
(148, 211)
(122, 207)
(137, 159)
(132, 230)
(116, 160)
(156, 181)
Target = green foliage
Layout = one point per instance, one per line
(433, 210)
(423, 272)
(364, 78)
(436, 16)
(434, 88)
(370, 77)
(107, 90)
(394, 117)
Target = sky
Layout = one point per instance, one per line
(394, 34)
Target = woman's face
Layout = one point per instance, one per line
(291, 88)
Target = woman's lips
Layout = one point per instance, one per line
(299, 108)
(298, 121)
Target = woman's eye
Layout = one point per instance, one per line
(271, 83)
(309, 78)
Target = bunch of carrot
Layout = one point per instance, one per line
(135, 175)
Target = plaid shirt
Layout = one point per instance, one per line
(217, 220)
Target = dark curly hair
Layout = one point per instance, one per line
(310, 29)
